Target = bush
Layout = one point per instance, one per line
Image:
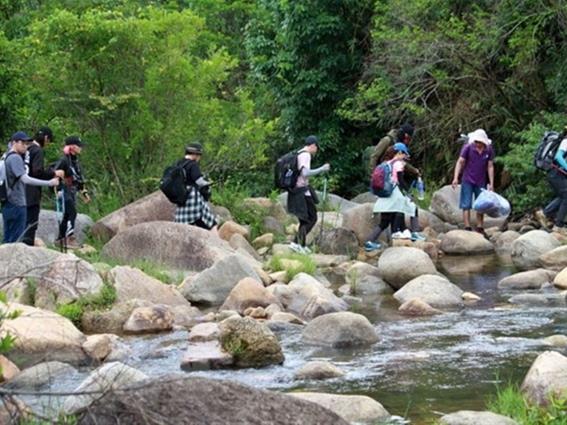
(75, 310)
(305, 264)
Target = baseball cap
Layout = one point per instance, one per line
(401, 147)
(311, 140)
(20, 135)
(194, 148)
(74, 140)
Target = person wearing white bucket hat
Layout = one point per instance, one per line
(476, 162)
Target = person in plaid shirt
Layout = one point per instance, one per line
(196, 210)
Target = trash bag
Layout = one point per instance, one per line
(491, 204)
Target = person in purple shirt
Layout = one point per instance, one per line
(476, 162)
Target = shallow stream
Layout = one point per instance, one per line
(421, 367)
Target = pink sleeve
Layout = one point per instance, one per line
(304, 161)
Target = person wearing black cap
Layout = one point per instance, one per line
(35, 167)
(14, 209)
(402, 135)
(196, 210)
(302, 200)
(73, 183)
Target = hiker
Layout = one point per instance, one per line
(393, 208)
(476, 162)
(557, 178)
(35, 167)
(302, 200)
(14, 210)
(73, 183)
(196, 210)
(402, 135)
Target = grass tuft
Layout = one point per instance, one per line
(305, 264)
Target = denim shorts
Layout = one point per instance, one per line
(467, 192)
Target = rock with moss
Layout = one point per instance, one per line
(110, 321)
(250, 343)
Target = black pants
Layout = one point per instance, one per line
(305, 226)
(67, 226)
(394, 220)
(32, 220)
(558, 182)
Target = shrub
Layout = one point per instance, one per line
(75, 310)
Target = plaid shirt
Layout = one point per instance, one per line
(195, 208)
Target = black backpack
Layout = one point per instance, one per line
(546, 150)
(4, 181)
(173, 183)
(286, 172)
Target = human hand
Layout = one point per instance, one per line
(54, 182)
(326, 167)
(85, 196)
(455, 183)
(489, 187)
(59, 173)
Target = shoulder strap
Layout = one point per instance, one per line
(10, 186)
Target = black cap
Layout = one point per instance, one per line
(42, 132)
(407, 129)
(194, 148)
(74, 140)
(311, 140)
(20, 135)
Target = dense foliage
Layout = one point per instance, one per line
(139, 79)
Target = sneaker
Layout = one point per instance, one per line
(397, 235)
(406, 234)
(416, 236)
(371, 246)
(295, 247)
(306, 250)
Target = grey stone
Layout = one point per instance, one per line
(340, 330)
(532, 279)
(468, 417)
(434, 290)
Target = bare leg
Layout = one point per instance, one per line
(467, 218)
(479, 220)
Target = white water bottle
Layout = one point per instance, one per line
(420, 189)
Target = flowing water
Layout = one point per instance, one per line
(421, 367)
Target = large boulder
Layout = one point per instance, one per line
(214, 284)
(230, 228)
(154, 207)
(361, 220)
(469, 417)
(99, 382)
(248, 293)
(338, 242)
(308, 298)
(462, 242)
(428, 219)
(176, 245)
(503, 242)
(41, 335)
(434, 290)
(59, 278)
(271, 208)
(364, 198)
(184, 400)
(132, 283)
(340, 330)
(400, 265)
(546, 379)
(34, 377)
(241, 245)
(468, 265)
(155, 318)
(357, 409)
(560, 280)
(111, 321)
(556, 259)
(445, 205)
(527, 249)
(250, 343)
(364, 278)
(531, 279)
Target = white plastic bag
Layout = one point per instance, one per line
(491, 204)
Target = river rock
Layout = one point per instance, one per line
(213, 285)
(365, 198)
(175, 245)
(318, 370)
(528, 248)
(286, 318)
(435, 290)
(467, 265)
(133, 283)
(39, 375)
(99, 382)
(308, 298)
(532, 279)
(445, 205)
(560, 280)
(60, 278)
(240, 244)
(155, 318)
(8, 370)
(230, 228)
(248, 293)
(339, 241)
(417, 307)
(546, 378)
(183, 400)
(462, 242)
(469, 417)
(154, 207)
(400, 265)
(251, 343)
(503, 242)
(556, 341)
(352, 408)
(206, 355)
(110, 321)
(361, 220)
(340, 330)
(555, 259)
(264, 241)
(100, 346)
(204, 332)
(363, 278)
(551, 299)
(42, 335)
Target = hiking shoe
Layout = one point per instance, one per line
(416, 236)
(371, 246)
(406, 234)
(306, 250)
(295, 247)
(397, 235)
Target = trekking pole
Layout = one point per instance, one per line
(323, 212)
(60, 213)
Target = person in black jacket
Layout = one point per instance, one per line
(73, 183)
(35, 168)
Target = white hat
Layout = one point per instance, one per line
(479, 136)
